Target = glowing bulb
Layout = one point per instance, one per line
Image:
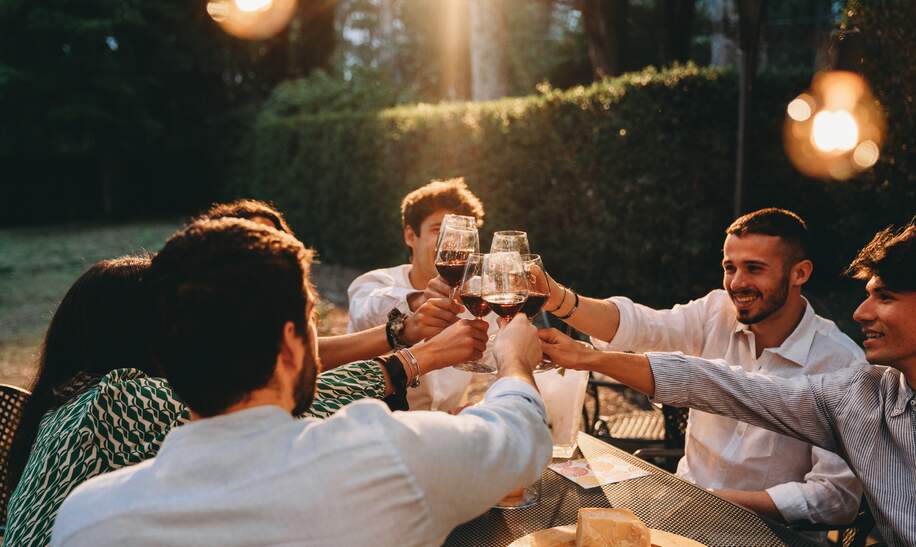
(253, 5)
(834, 131)
(799, 109)
(866, 154)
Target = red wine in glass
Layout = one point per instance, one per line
(475, 304)
(533, 304)
(450, 265)
(506, 304)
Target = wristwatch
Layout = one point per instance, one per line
(394, 329)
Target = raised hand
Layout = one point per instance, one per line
(564, 351)
(430, 319)
(517, 343)
(463, 341)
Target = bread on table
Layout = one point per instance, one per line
(604, 527)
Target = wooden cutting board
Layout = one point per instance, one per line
(565, 536)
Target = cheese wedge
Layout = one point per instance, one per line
(610, 528)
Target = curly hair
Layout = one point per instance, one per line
(223, 290)
(449, 195)
(891, 256)
(249, 209)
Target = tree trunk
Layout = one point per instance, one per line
(388, 58)
(724, 17)
(489, 71)
(454, 82)
(677, 18)
(606, 30)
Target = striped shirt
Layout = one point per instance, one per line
(867, 415)
(120, 420)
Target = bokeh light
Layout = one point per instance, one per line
(252, 19)
(834, 130)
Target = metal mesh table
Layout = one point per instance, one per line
(660, 499)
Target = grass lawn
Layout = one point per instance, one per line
(38, 265)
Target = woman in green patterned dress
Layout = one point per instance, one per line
(89, 415)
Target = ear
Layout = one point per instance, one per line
(410, 237)
(291, 344)
(801, 273)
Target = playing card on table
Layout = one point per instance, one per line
(597, 470)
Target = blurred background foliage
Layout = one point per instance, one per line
(623, 174)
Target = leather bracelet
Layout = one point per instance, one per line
(573, 310)
(411, 361)
(562, 300)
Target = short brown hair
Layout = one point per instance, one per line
(891, 256)
(781, 223)
(451, 195)
(247, 209)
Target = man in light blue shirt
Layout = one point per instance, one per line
(237, 341)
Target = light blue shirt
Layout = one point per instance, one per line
(365, 476)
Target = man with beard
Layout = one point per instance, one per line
(760, 321)
(237, 340)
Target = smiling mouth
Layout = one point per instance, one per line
(872, 335)
(744, 300)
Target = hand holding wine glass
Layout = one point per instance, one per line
(538, 286)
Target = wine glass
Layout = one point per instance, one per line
(457, 221)
(471, 294)
(510, 240)
(538, 290)
(455, 245)
(505, 285)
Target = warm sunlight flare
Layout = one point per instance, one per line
(252, 19)
(834, 130)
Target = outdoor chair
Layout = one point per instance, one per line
(12, 399)
(853, 534)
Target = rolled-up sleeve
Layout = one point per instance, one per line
(803, 408)
(642, 328)
(829, 494)
(372, 295)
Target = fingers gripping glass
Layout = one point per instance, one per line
(470, 293)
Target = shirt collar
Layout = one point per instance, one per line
(796, 347)
(904, 395)
(235, 424)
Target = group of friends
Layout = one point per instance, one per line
(186, 398)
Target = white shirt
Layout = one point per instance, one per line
(365, 476)
(372, 295)
(805, 482)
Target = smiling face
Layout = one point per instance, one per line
(888, 320)
(756, 276)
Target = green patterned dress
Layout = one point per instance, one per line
(120, 420)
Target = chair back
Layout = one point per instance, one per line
(12, 400)
(675, 426)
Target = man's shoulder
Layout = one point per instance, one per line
(396, 275)
(834, 346)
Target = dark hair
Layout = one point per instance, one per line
(450, 195)
(891, 256)
(786, 225)
(223, 290)
(103, 323)
(247, 208)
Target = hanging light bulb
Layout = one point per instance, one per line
(834, 130)
(252, 19)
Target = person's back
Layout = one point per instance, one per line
(245, 472)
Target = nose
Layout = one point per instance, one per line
(864, 313)
(736, 281)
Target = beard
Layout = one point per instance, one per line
(770, 303)
(304, 393)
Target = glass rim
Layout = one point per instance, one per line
(510, 233)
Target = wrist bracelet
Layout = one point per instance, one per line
(560, 305)
(573, 310)
(395, 369)
(410, 361)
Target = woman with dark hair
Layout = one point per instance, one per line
(89, 415)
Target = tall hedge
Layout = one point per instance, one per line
(624, 187)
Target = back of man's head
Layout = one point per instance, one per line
(450, 195)
(890, 256)
(224, 289)
(786, 225)
(247, 208)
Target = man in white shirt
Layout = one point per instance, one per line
(760, 321)
(238, 344)
(406, 287)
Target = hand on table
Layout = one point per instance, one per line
(564, 351)
(430, 319)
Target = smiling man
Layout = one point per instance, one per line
(867, 414)
(760, 321)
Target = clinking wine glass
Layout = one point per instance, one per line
(456, 221)
(471, 294)
(538, 290)
(505, 285)
(456, 244)
(510, 240)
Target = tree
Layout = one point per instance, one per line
(489, 72)
(605, 24)
(677, 20)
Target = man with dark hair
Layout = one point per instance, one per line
(866, 414)
(237, 341)
(405, 288)
(760, 321)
